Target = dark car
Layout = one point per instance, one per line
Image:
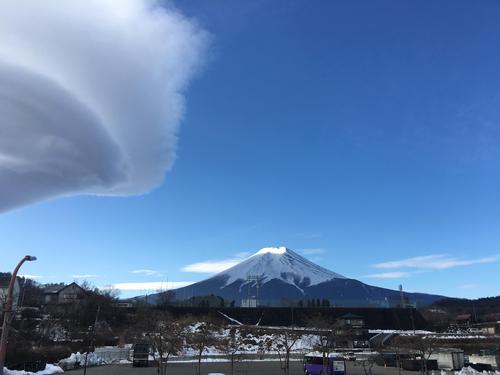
(141, 355)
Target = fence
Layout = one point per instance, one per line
(112, 354)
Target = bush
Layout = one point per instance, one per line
(21, 356)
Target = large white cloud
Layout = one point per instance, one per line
(90, 95)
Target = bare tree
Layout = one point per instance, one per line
(283, 342)
(166, 337)
(231, 344)
(397, 345)
(423, 346)
(325, 337)
(201, 336)
(367, 363)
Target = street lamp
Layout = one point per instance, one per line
(7, 312)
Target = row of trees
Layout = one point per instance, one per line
(314, 303)
(168, 336)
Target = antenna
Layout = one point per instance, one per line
(402, 295)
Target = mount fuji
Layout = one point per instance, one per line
(278, 276)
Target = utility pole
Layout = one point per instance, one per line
(7, 312)
(91, 343)
(401, 295)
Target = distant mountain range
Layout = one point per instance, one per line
(277, 276)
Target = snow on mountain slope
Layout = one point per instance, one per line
(284, 277)
(279, 263)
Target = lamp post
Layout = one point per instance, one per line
(7, 312)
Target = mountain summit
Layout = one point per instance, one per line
(278, 276)
(279, 263)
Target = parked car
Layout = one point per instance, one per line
(141, 354)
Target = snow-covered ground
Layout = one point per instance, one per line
(49, 370)
(401, 332)
(471, 371)
(252, 343)
(76, 360)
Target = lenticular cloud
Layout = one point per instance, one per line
(90, 96)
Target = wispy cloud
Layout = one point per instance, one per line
(150, 285)
(211, 266)
(215, 266)
(313, 251)
(147, 272)
(470, 286)
(435, 262)
(85, 276)
(390, 275)
(33, 277)
(242, 255)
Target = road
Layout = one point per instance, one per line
(241, 368)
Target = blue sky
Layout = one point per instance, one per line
(355, 132)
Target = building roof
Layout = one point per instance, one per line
(55, 289)
(351, 316)
(463, 317)
(486, 324)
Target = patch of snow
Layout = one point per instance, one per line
(271, 250)
(401, 332)
(471, 371)
(49, 370)
(76, 360)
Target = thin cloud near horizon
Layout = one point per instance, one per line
(210, 266)
(434, 262)
(149, 285)
(215, 266)
(147, 272)
(389, 275)
(33, 277)
(85, 276)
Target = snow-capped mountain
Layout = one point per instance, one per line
(279, 263)
(278, 276)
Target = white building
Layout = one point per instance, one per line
(449, 359)
(249, 302)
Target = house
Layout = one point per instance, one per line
(464, 320)
(486, 328)
(449, 359)
(4, 287)
(351, 331)
(351, 320)
(63, 294)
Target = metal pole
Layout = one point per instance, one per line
(91, 340)
(7, 312)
